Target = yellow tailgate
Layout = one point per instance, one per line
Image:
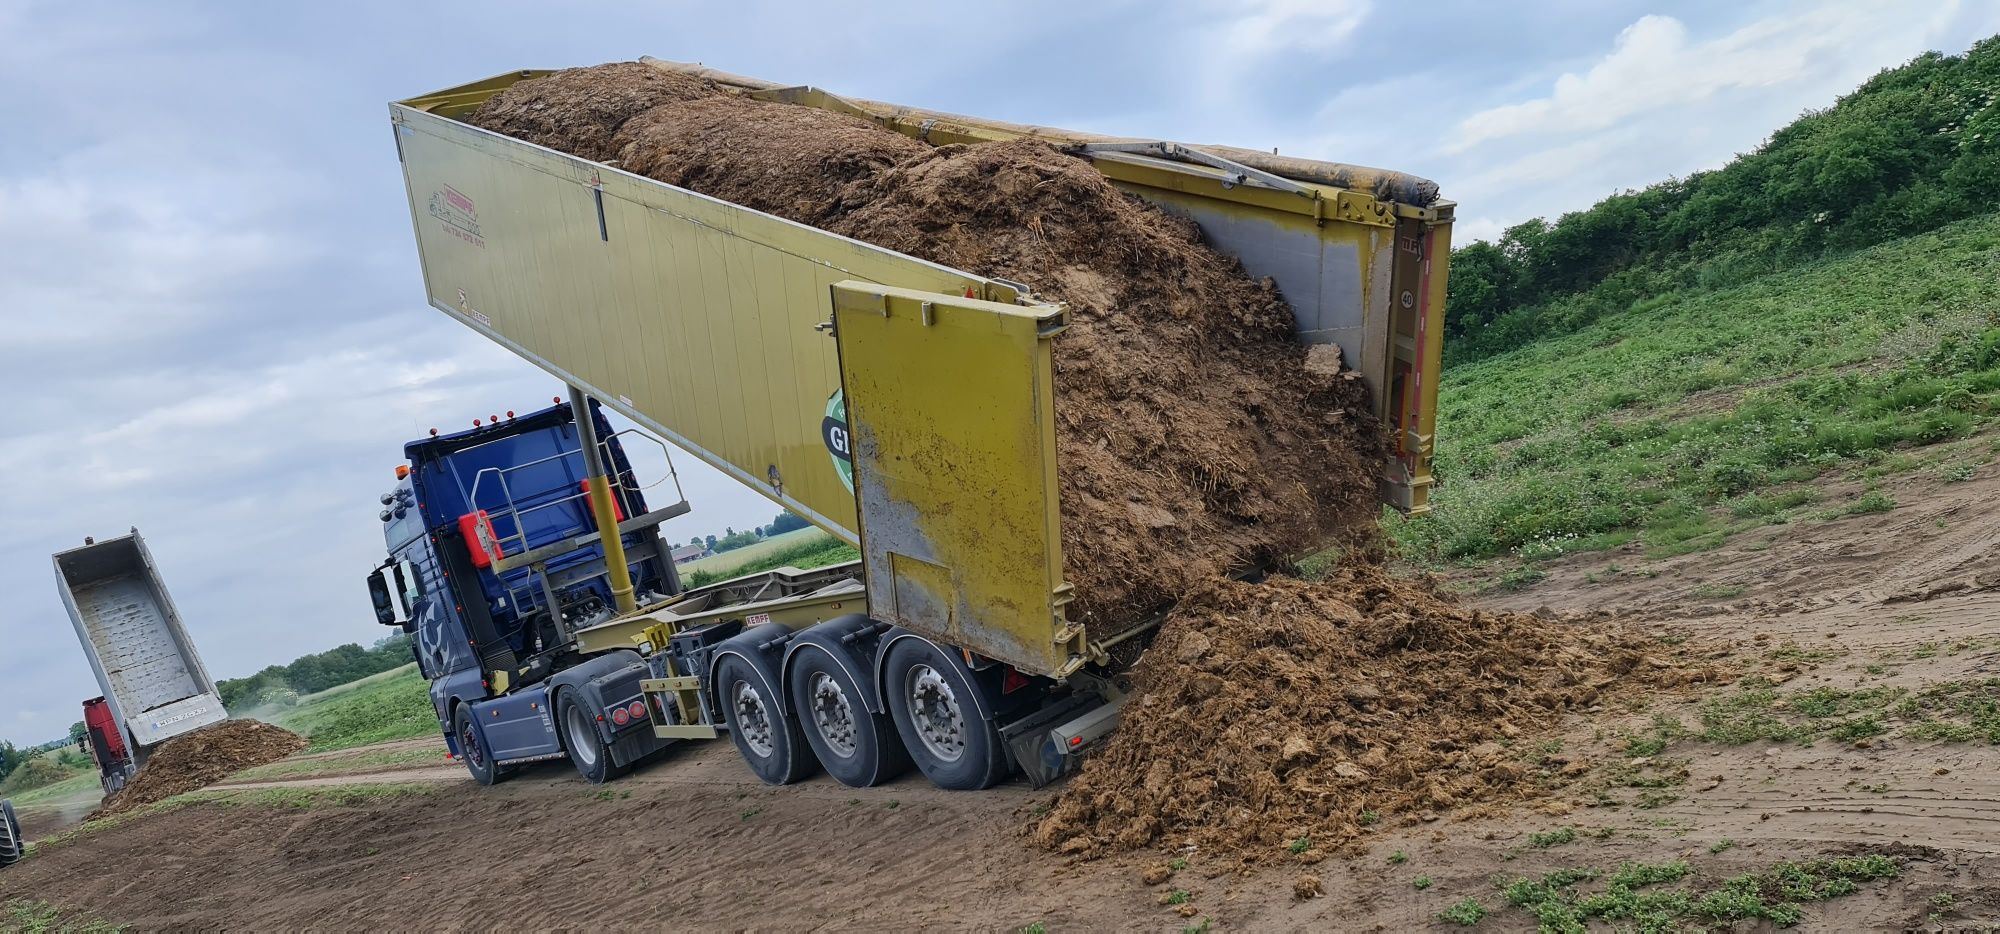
(950, 405)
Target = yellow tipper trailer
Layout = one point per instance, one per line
(901, 405)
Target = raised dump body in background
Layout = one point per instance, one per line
(142, 656)
(706, 322)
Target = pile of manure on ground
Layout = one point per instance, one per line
(196, 760)
(1285, 711)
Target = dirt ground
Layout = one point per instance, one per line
(1891, 600)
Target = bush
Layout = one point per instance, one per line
(1913, 149)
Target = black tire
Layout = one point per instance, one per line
(766, 735)
(12, 846)
(472, 750)
(579, 738)
(955, 747)
(858, 747)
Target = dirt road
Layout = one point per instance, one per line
(1890, 621)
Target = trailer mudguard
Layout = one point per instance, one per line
(987, 679)
(762, 647)
(602, 682)
(851, 641)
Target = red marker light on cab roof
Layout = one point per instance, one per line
(475, 423)
(434, 432)
(510, 413)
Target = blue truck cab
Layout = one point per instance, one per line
(494, 563)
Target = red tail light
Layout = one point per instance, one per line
(621, 717)
(1012, 681)
(638, 709)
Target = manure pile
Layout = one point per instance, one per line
(1288, 710)
(1192, 438)
(199, 759)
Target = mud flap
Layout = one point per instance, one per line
(1050, 743)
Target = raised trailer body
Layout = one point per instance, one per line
(901, 405)
(144, 660)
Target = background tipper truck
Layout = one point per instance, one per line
(901, 405)
(155, 685)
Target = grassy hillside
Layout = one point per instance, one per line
(1913, 149)
(1703, 412)
(389, 706)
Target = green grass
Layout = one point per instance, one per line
(1542, 840)
(1632, 897)
(73, 786)
(369, 760)
(1693, 417)
(1465, 913)
(1951, 711)
(729, 560)
(28, 916)
(803, 549)
(391, 706)
(47, 771)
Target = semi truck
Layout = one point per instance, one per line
(900, 405)
(155, 685)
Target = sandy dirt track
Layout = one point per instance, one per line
(1892, 600)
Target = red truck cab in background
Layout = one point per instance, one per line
(107, 745)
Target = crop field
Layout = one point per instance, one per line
(801, 548)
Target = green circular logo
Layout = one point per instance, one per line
(833, 430)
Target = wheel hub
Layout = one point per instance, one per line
(753, 719)
(833, 714)
(468, 745)
(934, 710)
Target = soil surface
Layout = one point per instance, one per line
(700, 840)
(199, 759)
(1193, 438)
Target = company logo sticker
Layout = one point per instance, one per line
(458, 214)
(833, 430)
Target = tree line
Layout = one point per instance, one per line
(730, 540)
(1913, 149)
(309, 674)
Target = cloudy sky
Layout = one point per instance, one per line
(215, 329)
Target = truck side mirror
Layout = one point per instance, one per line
(385, 605)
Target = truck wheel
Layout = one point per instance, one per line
(12, 847)
(586, 751)
(938, 718)
(768, 738)
(477, 760)
(859, 748)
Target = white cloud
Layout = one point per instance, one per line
(1654, 64)
(1262, 27)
